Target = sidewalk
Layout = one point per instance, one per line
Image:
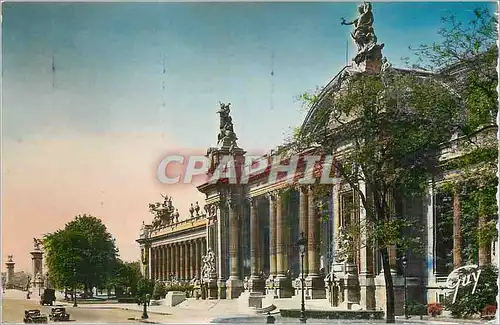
(189, 311)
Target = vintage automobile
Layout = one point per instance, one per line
(34, 316)
(59, 314)
(48, 297)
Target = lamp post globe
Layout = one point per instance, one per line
(301, 243)
(404, 262)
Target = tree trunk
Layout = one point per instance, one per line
(457, 236)
(484, 253)
(389, 286)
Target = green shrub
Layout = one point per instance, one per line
(417, 309)
(159, 290)
(187, 288)
(468, 304)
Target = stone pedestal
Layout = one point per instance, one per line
(9, 281)
(283, 286)
(414, 287)
(221, 289)
(270, 288)
(174, 298)
(315, 286)
(37, 268)
(351, 286)
(234, 288)
(370, 66)
(367, 291)
(37, 260)
(257, 285)
(212, 289)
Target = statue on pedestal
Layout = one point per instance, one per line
(10, 258)
(226, 136)
(344, 252)
(37, 244)
(208, 268)
(364, 35)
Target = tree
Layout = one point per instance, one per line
(394, 126)
(471, 49)
(145, 287)
(125, 278)
(84, 245)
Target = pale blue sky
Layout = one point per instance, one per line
(108, 61)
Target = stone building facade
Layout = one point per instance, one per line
(174, 251)
(253, 227)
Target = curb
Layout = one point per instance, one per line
(145, 321)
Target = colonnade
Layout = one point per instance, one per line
(279, 244)
(179, 260)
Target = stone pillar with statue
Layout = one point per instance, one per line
(351, 294)
(37, 267)
(9, 281)
(209, 275)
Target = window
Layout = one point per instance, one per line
(443, 234)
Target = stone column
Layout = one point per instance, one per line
(163, 263)
(221, 249)
(255, 284)
(234, 284)
(315, 283)
(149, 252)
(10, 274)
(37, 262)
(457, 236)
(197, 257)
(191, 258)
(168, 264)
(366, 272)
(177, 250)
(282, 283)
(186, 261)
(181, 261)
(158, 262)
(303, 222)
(153, 264)
(272, 234)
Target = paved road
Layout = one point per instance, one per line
(13, 312)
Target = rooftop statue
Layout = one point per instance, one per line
(364, 35)
(164, 213)
(226, 136)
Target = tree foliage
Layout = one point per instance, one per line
(471, 47)
(125, 277)
(467, 304)
(145, 289)
(84, 252)
(391, 127)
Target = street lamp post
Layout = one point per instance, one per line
(145, 307)
(302, 246)
(74, 288)
(404, 261)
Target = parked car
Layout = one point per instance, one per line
(48, 297)
(59, 314)
(34, 316)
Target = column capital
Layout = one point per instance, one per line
(274, 195)
(253, 200)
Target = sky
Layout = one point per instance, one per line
(94, 95)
